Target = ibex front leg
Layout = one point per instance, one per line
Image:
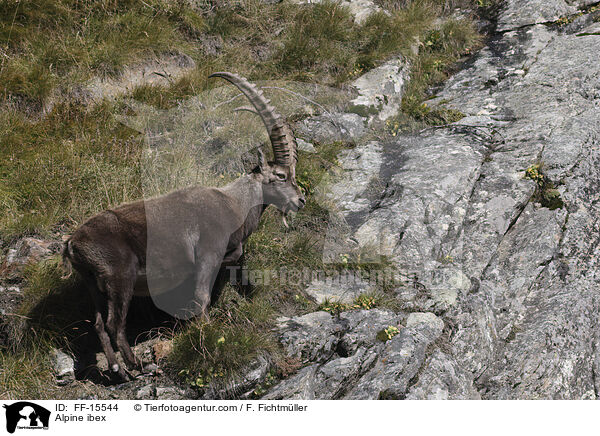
(208, 268)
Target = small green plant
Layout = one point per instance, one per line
(392, 126)
(305, 183)
(203, 378)
(448, 259)
(534, 172)
(546, 193)
(262, 388)
(362, 302)
(387, 333)
(365, 301)
(421, 113)
(303, 301)
(436, 115)
(344, 258)
(563, 21)
(334, 307)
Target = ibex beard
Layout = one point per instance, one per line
(152, 246)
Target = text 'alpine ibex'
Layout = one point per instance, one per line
(152, 246)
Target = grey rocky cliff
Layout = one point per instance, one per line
(521, 13)
(508, 284)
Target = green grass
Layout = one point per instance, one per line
(63, 168)
(439, 51)
(60, 43)
(58, 169)
(26, 375)
(57, 312)
(238, 332)
(50, 43)
(320, 43)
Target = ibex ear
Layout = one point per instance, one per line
(262, 162)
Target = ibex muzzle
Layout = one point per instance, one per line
(152, 246)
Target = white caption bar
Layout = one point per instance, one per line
(146, 417)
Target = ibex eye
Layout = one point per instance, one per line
(280, 176)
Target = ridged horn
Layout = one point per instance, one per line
(281, 135)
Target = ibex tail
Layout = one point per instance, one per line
(67, 253)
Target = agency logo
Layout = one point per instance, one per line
(26, 415)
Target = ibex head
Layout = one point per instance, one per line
(278, 177)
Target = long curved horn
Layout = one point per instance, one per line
(246, 108)
(281, 136)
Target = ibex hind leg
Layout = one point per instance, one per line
(101, 305)
(120, 293)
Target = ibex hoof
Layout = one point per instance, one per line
(150, 368)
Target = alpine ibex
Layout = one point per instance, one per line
(193, 231)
